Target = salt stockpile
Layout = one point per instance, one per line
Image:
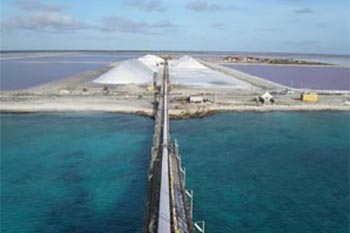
(184, 71)
(187, 62)
(151, 61)
(134, 71)
(188, 71)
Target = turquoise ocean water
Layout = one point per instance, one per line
(73, 172)
(250, 172)
(268, 172)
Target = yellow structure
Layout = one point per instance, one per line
(309, 97)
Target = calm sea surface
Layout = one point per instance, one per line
(323, 78)
(74, 173)
(250, 172)
(268, 172)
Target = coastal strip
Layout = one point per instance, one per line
(145, 108)
(79, 93)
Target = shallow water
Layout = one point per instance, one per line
(250, 172)
(20, 70)
(323, 78)
(268, 172)
(342, 60)
(74, 172)
(26, 72)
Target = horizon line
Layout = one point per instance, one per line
(147, 50)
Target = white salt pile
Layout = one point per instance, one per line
(184, 71)
(187, 62)
(151, 61)
(188, 71)
(133, 71)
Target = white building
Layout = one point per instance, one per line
(196, 99)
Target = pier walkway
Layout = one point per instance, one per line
(169, 206)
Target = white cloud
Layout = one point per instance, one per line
(201, 6)
(147, 5)
(31, 5)
(305, 10)
(120, 24)
(49, 22)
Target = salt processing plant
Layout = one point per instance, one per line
(127, 86)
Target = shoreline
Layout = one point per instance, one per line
(79, 94)
(277, 64)
(173, 113)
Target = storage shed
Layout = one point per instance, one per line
(309, 97)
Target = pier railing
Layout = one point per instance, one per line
(187, 195)
(169, 205)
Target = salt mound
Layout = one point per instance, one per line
(127, 72)
(188, 71)
(136, 71)
(152, 61)
(187, 62)
(184, 71)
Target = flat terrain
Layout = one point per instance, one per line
(78, 93)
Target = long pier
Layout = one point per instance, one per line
(169, 205)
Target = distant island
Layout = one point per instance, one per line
(269, 60)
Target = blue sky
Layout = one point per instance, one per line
(306, 26)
